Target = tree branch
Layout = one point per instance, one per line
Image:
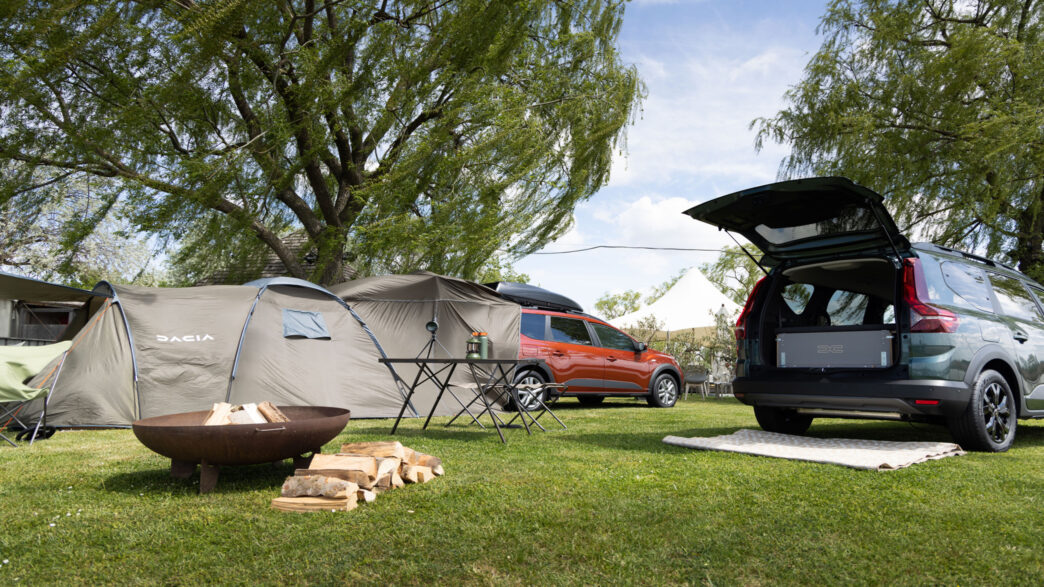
(297, 205)
(298, 118)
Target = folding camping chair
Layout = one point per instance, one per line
(538, 391)
(19, 364)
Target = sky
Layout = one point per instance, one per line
(710, 68)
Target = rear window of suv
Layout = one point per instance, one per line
(852, 218)
(534, 326)
(956, 284)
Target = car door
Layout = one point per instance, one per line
(1035, 397)
(572, 356)
(625, 372)
(1024, 319)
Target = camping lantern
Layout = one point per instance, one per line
(474, 347)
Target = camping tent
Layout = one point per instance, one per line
(154, 351)
(398, 307)
(690, 303)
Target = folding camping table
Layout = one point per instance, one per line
(488, 374)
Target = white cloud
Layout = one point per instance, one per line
(696, 119)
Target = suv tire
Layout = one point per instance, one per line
(781, 420)
(530, 400)
(988, 423)
(664, 391)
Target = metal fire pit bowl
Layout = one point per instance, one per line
(184, 439)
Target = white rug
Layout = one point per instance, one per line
(879, 455)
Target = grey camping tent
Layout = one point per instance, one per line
(398, 307)
(154, 351)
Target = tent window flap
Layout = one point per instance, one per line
(301, 324)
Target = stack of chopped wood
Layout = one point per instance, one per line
(358, 473)
(261, 413)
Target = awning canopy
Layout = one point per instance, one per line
(17, 287)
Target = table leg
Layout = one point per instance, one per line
(485, 402)
(442, 390)
(465, 408)
(406, 402)
(513, 394)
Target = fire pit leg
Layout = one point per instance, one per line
(208, 477)
(181, 469)
(302, 462)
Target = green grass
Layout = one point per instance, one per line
(602, 502)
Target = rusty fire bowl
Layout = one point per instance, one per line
(184, 439)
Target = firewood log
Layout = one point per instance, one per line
(376, 449)
(365, 463)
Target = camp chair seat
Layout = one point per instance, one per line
(19, 364)
(698, 380)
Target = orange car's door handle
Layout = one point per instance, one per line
(557, 354)
(610, 358)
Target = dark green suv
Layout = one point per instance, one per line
(853, 321)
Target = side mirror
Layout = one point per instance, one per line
(640, 347)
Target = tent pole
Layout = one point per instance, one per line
(239, 346)
(114, 300)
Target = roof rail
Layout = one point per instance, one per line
(968, 255)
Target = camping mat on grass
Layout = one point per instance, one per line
(880, 455)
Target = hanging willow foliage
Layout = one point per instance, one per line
(939, 105)
(395, 134)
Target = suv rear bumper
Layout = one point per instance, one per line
(856, 397)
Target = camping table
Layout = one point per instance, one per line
(487, 373)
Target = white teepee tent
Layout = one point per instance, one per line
(690, 303)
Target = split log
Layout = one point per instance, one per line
(376, 449)
(316, 504)
(366, 496)
(388, 465)
(417, 474)
(317, 485)
(364, 463)
(218, 415)
(272, 413)
(390, 480)
(433, 463)
(247, 414)
(360, 478)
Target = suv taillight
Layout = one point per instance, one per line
(923, 317)
(741, 322)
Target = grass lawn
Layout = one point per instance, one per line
(602, 502)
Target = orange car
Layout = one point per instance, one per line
(594, 360)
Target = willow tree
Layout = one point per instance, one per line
(938, 104)
(394, 134)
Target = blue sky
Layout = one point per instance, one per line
(710, 68)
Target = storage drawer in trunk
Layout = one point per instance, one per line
(862, 347)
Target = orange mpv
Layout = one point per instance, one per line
(594, 360)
